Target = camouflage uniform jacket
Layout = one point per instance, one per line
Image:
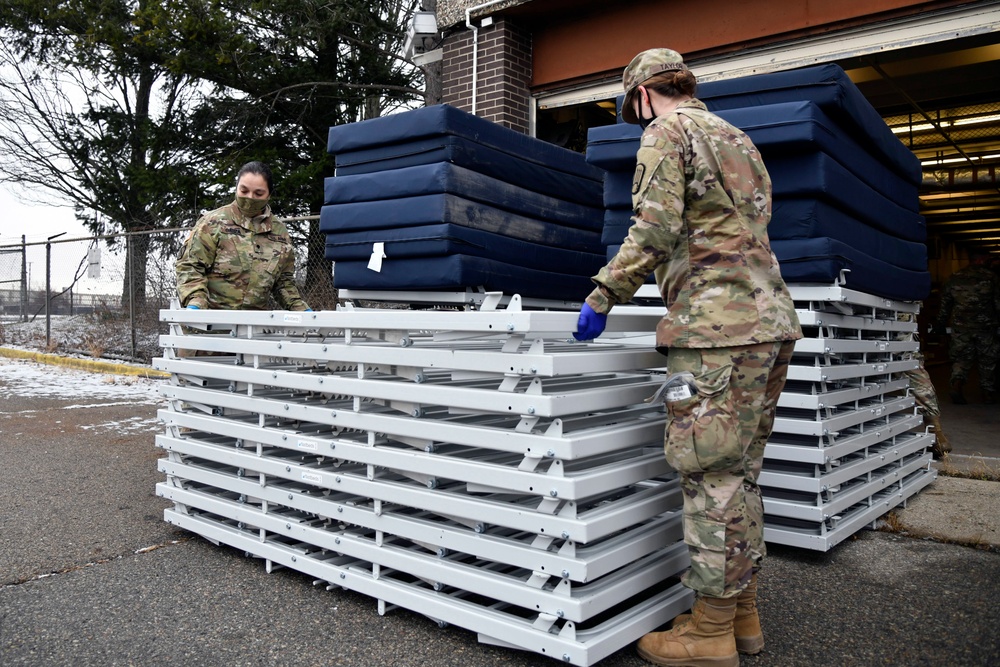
(232, 262)
(701, 203)
(971, 299)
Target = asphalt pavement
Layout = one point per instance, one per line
(90, 574)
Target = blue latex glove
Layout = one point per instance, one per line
(590, 325)
(193, 307)
(308, 310)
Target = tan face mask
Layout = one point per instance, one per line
(251, 207)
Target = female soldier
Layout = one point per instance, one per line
(701, 204)
(240, 254)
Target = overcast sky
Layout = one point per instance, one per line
(36, 222)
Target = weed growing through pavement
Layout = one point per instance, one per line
(892, 523)
(979, 469)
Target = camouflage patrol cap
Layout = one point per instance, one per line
(643, 67)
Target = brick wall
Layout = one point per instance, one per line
(502, 91)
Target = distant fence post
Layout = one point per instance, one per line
(48, 294)
(130, 255)
(48, 289)
(24, 279)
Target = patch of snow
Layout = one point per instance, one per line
(21, 377)
(131, 425)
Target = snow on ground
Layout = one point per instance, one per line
(20, 377)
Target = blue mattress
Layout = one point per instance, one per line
(479, 158)
(461, 272)
(442, 132)
(443, 119)
(445, 239)
(804, 219)
(618, 188)
(778, 130)
(808, 218)
(796, 127)
(820, 260)
(830, 89)
(616, 224)
(814, 175)
(818, 175)
(445, 177)
(448, 208)
(613, 147)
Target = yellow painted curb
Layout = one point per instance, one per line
(83, 364)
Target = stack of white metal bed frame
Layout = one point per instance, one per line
(847, 444)
(479, 466)
(474, 466)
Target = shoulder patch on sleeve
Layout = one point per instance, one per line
(647, 160)
(640, 171)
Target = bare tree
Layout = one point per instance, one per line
(138, 113)
(114, 143)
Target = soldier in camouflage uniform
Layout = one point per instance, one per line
(970, 299)
(702, 201)
(239, 255)
(923, 391)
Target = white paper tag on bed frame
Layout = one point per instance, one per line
(378, 254)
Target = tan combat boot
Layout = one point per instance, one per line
(704, 641)
(941, 446)
(746, 622)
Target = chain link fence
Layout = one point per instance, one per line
(101, 297)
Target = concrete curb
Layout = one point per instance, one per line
(92, 365)
(956, 510)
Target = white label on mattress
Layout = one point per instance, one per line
(378, 254)
(312, 477)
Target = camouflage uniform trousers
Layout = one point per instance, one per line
(923, 389)
(969, 346)
(920, 381)
(715, 440)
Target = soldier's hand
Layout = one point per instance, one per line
(590, 324)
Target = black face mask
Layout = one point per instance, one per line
(642, 120)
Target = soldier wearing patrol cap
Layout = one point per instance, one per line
(239, 255)
(701, 204)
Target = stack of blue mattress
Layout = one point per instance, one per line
(845, 188)
(438, 199)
